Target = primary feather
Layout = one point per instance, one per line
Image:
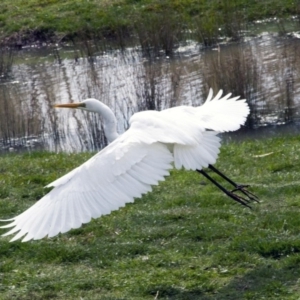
(133, 162)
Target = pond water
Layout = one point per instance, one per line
(264, 69)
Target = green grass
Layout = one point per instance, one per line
(185, 240)
(119, 17)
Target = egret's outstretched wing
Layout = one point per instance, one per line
(106, 182)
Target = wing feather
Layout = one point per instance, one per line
(131, 190)
(96, 204)
(210, 95)
(198, 156)
(223, 114)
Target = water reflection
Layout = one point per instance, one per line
(264, 70)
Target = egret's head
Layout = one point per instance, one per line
(94, 105)
(88, 105)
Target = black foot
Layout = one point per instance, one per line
(243, 189)
(239, 199)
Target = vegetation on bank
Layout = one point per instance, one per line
(168, 20)
(185, 240)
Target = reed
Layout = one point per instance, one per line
(6, 61)
(159, 31)
(129, 82)
(236, 70)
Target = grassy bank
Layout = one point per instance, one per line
(166, 20)
(185, 240)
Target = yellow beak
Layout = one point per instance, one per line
(69, 105)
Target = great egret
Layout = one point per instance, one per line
(134, 161)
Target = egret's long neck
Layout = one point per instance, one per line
(109, 121)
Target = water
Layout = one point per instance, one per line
(264, 69)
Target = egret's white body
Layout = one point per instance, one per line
(134, 161)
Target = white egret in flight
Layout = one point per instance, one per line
(126, 169)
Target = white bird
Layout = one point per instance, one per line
(126, 169)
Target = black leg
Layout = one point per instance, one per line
(237, 187)
(231, 194)
(228, 193)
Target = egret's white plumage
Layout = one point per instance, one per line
(133, 162)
